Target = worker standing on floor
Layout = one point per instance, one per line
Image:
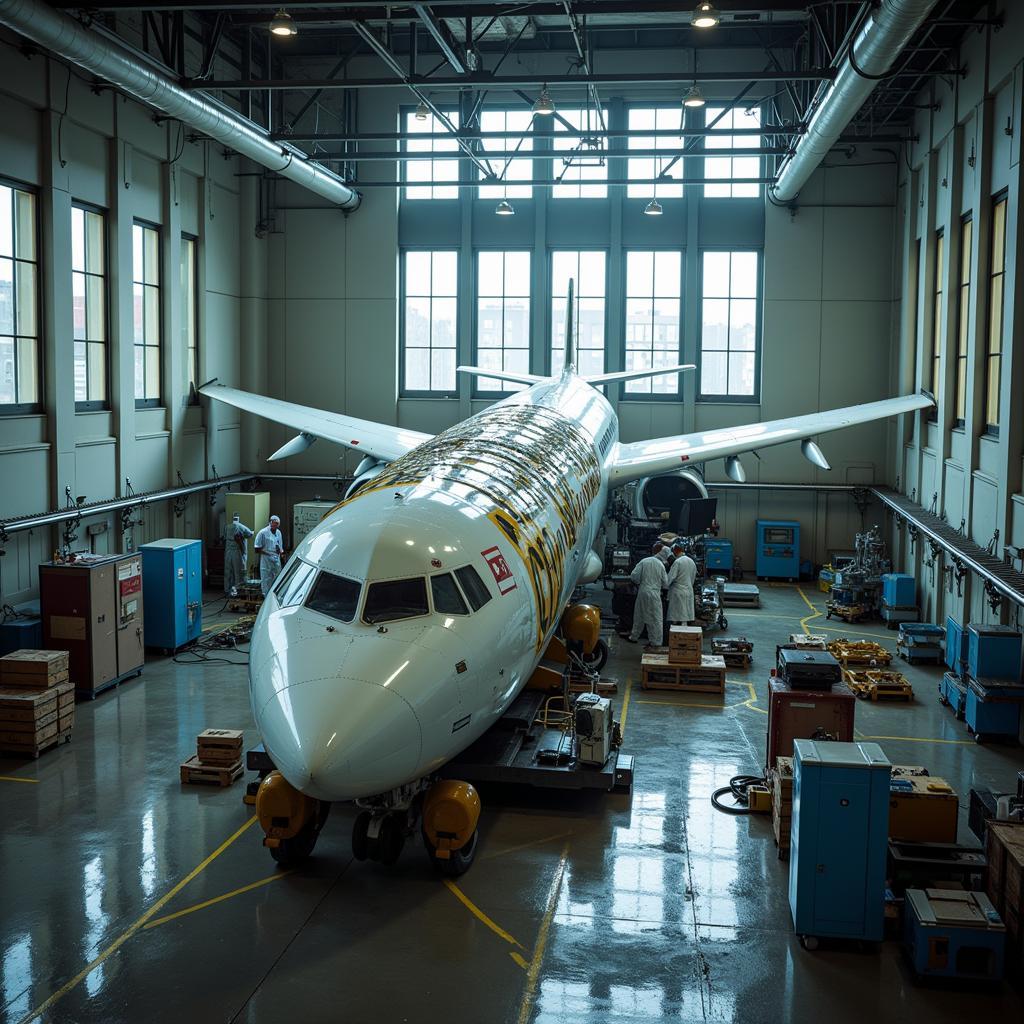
(270, 548)
(235, 538)
(680, 588)
(650, 578)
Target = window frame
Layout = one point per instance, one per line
(963, 326)
(458, 163)
(708, 153)
(529, 156)
(938, 297)
(29, 408)
(403, 391)
(640, 396)
(553, 153)
(149, 403)
(549, 312)
(478, 391)
(656, 190)
(97, 405)
(711, 399)
(992, 429)
(192, 396)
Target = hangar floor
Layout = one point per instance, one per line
(127, 897)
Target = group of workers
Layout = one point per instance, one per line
(651, 577)
(269, 545)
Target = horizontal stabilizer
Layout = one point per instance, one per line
(610, 378)
(515, 378)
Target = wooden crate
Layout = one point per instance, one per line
(684, 645)
(781, 779)
(33, 670)
(658, 673)
(219, 746)
(23, 710)
(1004, 850)
(193, 772)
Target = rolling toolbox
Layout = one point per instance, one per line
(805, 669)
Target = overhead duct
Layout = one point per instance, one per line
(883, 37)
(103, 57)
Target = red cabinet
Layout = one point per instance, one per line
(806, 714)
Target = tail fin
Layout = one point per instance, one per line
(570, 348)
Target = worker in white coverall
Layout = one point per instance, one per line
(650, 579)
(270, 547)
(235, 538)
(680, 587)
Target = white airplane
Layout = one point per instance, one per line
(407, 622)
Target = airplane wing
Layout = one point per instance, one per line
(663, 454)
(379, 440)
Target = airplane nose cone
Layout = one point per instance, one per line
(340, 739)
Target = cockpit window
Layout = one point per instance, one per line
(475, 588)
(447, 598)
(294, 583)
(395, 599)
(335, 596)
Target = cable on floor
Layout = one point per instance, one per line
(738, 786)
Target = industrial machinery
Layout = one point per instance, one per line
(92, 608)
(709, 603)
(778, 549)
(172, 581)
(951, 934)
(718, 557)
(839, 840)
(593, 720)
(305, 516)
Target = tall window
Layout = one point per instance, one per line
(653, 288)
(189, 317)
(940, 266)
(740, 129)
(994, 341)
(580, 161)
(515, 167)
(964, 303)
(146, 312)
(430, 178)
(587, 270)
(655, 119)
(19, 299)
(89, 297)
(503, 316)
(728, 343)
(430, 284)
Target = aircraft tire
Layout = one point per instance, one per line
(360, 842)
(460, 861)
(390, 840)
(292, 852)
(598, 657)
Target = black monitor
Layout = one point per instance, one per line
(696, 516)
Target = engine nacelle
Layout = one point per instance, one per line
(367, 470)
(653, 495)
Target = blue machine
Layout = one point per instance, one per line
(778, 549)
(951, 934)
(993, 652)
(953, 693)
(956, 646)
(899, 590)
(24, 633)
(172, 592)
(718, 556)
(839, 840)
(993, 708)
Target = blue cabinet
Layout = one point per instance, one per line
(899, 590)
(993, 652)
(956, 646)
(717, 556)
(839, 839)
(993, 708)
(778, 549)
(172, 592)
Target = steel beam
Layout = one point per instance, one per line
(440, 36)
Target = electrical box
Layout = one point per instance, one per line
(593, 719)
(253, 508)
(839, 839)
(899, 590)
(993, 652)
(172, 586)
(717, 556)
(93, 609)
(778, 549)
(803, 714)
(951, 934)
(306, 516)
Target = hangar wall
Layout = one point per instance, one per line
(69, 143)
(966, 157)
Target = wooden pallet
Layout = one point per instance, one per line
(658, 673)
(847, 612)
(876, 685)
(859, 652)
(579, 683)
(193, 772)
(34, 670)
(34, 748)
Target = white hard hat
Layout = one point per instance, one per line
(275, 519)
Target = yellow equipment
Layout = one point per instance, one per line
(759, 799)
(451, 810)
(581, 626)
(283, 811)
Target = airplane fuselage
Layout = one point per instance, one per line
(408, 621)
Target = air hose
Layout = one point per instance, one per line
(738, 786)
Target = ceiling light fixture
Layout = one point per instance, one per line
(422, 111)
(694, 97)
(705, 16)
(653, 209)
(544, 104)
(282, 24)
(504, 209)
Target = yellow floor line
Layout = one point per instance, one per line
(132, 929)
(14, 778)
(524, 846)
(887, 635)
(753, 707)
(480, 915)
(520, 959)
(921, 739)
(625, 706)
(679, 704)
(533, 972)
(216, 899)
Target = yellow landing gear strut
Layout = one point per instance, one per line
(291, 821)
(579, 634)
(451, 810)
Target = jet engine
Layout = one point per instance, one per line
(367, 470)
(653, 495)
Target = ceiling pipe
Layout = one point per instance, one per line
(884, 36)
(116, 64)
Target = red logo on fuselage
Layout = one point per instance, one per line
(499, 570)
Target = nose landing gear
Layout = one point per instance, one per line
(291, 821)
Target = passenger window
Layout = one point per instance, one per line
(395, 599)
(475, 588)
(335, 596)
(294, 584)
(447, 598)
